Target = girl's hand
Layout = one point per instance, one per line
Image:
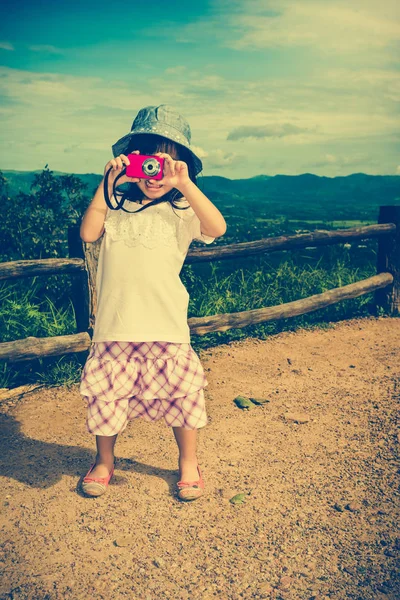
(117, 165)
(176, 173)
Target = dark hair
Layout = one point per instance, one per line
(150, 144)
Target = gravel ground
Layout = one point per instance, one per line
(317, 464)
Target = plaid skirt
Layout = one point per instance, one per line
(125, 380)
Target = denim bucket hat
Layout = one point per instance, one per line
(159, 120)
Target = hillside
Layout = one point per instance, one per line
(305, 196)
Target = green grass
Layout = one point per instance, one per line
(22, 314)
(344, 224)
(335, 224)
(212, 292)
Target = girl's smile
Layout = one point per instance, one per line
(152, 186)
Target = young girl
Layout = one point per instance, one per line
(141, 362)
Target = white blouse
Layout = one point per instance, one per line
(140, 296)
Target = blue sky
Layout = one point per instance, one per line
(268, 86)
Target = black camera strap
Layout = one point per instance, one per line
(119, 196)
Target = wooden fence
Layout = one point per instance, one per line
(82, 265)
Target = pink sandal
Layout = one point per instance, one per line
(190, 490)
(96, 486)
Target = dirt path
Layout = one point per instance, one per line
(320, 517)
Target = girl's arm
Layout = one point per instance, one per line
(212, 221)
(176, 173)
(92, 225)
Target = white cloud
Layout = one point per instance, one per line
(201, 153)
(220, 158)
(327, 26)
(6, 46)
(46, 49)
(209, 82)
(178, 70)
(330, 105)
(332, 112)
(340, 161)
(216, 157)
(265, 131)
(55, 113)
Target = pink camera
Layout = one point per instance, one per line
(145, 167)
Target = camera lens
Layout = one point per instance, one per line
(151, 166)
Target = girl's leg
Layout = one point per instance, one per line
(187, 441)
(105, 455)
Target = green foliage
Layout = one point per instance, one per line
(64, 371)
(23, 315)
(35, 225)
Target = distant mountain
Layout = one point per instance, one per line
(260, 177)
(22, 180)
(306, 196)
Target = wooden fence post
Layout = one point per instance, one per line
(80, 288)
(388, 261)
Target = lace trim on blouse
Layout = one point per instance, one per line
(156, 226)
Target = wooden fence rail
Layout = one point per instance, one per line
(60, 266)
(83, 264)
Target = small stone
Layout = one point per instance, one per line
(285, 583)
(265, 588)
(297, 417)
(305, 573)
(123, 541)
(264, 556)
(159, 562)
(338, 507)
(353, 506)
